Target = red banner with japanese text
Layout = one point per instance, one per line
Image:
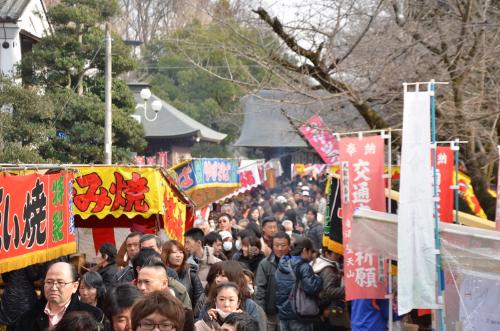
(320, 138)
(444, 165)
(362, 185)
(36, 220)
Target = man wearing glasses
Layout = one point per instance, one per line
(59, 289)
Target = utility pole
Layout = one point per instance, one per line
(107, 100)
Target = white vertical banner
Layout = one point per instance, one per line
(417, 274)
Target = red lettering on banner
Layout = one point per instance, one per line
(185, 178)
(362, 162)
(130, 194)
(94, 194)
(246, 178)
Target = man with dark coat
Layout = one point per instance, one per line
(315, 229)
(265, 282)
(60, 287)
(290, 268)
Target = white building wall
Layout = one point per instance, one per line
(34, 21)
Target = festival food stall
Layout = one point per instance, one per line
(109, 201)
(37, 223)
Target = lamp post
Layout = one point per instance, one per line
(155, 105)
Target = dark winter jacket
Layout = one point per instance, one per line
(19, 294)
(108, 273)
(315, 233)
(249, 306)
(265, 285)
(126, 275)
(333, 292)
(285, 282)
(189, 278)
(250, 263)
(36, 320)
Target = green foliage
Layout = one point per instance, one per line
(62, 63)
(200, 93)
(25, 131)
(81, 118)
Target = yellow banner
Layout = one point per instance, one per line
(175, 216)
(117, 191)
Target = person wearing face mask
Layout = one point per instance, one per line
(249, 279)
(288, 227)
(227, 244)
(226, 299)
(250, 254)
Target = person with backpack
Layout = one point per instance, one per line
(298, 288)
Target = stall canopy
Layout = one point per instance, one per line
(470, 260)
(207, 180)
(251, 173)
(141, 198)
(36, 219)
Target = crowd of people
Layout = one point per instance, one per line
(238, 270)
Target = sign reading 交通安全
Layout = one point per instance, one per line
(362, 185)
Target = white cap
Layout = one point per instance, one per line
(281, 199)
(225, 235)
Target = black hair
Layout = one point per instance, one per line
(278, 207)
(312, 210)
(291, 215)
(242, 322)
(268, 219)
(195, 234)
(212, 237)
(299, 245)
(247, 233)
(255, 228)
(282, 235)
(110, 251)
(158, 265)
(225, 215)
(133, 234)
(119, 298)
(77, 321)
(144, 256)
(94, 280)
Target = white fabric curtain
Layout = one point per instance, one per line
(416, 244)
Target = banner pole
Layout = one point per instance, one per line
(440, 311)
(390, 296)
(456, 148)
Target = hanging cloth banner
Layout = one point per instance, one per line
(333, 230)
(362, 185)
(117, 191)
(416, 242)
(320, 138)
(207, 180)
(36, 220)
(445, 174)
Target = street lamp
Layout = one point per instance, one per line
(155, 105)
